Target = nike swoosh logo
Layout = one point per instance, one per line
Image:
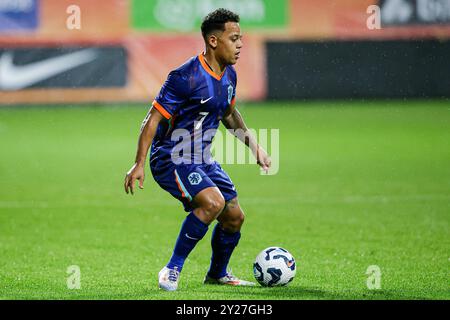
(187, 236)
(14, 77)
(204, 101)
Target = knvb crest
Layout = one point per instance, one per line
(230, 93)
(194, 178)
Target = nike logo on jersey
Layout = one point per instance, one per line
(187, 236)
(204, 101)
(16, 77)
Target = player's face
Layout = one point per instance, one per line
(229, 43)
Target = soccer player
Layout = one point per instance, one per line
(197, 96)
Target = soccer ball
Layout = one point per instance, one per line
(274, 266)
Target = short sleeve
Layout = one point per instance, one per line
(173, 94)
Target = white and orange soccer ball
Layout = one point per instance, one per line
(274, 266)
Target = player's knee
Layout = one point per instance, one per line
(234, 224)
(214, 206)
(238, 222)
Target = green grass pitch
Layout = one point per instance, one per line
(360, 184)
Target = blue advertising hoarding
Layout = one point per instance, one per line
(18, 15)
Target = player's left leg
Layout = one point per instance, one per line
(224, 240)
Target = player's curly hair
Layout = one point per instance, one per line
(216, 21)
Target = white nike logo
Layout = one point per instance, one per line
(204, 101)
(187, 236)
(14, 77)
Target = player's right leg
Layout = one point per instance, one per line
(205, 202)
(209, 204)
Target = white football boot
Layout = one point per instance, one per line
(228, 279)
(168, 279)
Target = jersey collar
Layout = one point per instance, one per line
(208, 69)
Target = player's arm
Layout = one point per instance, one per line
(233, 121)
(148, 131)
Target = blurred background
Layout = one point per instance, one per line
(294, 49)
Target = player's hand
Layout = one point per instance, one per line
(136, 172)
(263, 159)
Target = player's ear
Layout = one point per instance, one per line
(212, 41)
